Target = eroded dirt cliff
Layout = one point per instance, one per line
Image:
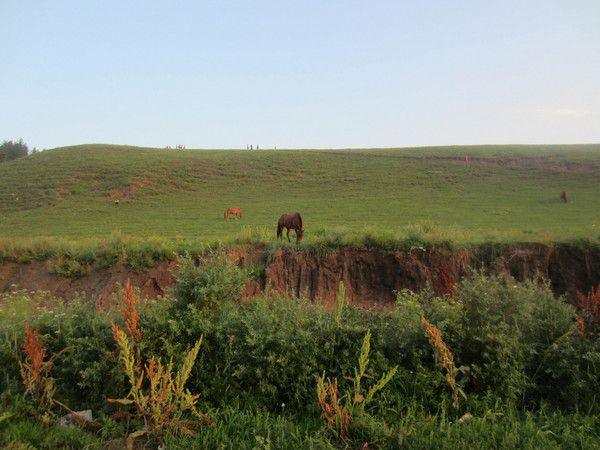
(371, 276)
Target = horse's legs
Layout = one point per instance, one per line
(288, 234)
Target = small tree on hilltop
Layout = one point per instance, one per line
(10, 150)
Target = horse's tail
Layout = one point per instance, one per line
(241, 214)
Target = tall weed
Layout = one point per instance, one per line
(445, 359)
(161, 406)
(35, 374)
(338, 416)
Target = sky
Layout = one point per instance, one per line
(302, 74)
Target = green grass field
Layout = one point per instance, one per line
(505, 193)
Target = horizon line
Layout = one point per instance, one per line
(271, 148)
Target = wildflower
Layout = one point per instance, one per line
(35, 352)
(590, 303)
(445, 358)
(129, 313)
(35, 371)
(580, 324)
(447, 282)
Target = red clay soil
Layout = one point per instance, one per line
(99, 284)
(371, 277)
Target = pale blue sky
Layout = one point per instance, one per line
(223, 74)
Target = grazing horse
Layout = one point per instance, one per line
(563, 196)
(237, 212)
(290, 222)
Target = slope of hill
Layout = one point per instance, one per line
(502, 192)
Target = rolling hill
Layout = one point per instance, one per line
(502, 193)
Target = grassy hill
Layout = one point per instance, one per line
(503, 193)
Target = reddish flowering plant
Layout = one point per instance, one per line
(590, 303)
(580, 324)
(35, 372)
(157, 394)
(34, 352)
(130, 317)
(335, 415)
(129, 313)
(447, 282)
(338, 417)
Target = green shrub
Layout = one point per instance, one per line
(568, 373)
(67, 267)
(264, 353)
(86, 371)
(89, 368)
(502, 330)
(213, 281)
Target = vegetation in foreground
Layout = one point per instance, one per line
(504, 193)
(490, 364)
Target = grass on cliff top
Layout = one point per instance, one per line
(387, 197)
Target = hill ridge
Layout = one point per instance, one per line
(70, 191)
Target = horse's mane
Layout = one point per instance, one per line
(300, 220)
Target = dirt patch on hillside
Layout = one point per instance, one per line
(62, 191)
(128, 192)
(371, 276)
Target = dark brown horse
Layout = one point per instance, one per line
(237, 212)
(291, 222)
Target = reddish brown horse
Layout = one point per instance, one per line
(290, 222)
(237, 212)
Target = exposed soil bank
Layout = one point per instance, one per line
(371, 276)
(99, 284)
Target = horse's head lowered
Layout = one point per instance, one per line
(291, 222)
